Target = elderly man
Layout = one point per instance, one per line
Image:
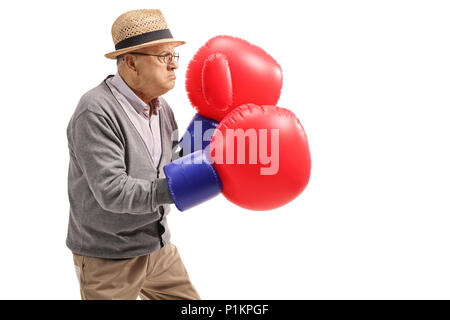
(120, 136)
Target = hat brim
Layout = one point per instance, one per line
(115, 54)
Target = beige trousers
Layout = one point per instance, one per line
(159, 275)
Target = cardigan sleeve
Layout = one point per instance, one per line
(101, 156)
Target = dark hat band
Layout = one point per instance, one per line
(143, 38)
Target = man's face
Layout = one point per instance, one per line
(154, 77)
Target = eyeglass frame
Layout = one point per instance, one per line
(175, 56)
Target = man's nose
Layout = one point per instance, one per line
(172, 65)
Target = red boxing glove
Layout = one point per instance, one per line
(227, 72)
(261, 154)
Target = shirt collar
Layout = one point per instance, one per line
(136, 102)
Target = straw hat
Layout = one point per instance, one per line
(138, 29)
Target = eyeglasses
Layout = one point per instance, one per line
(164, 58)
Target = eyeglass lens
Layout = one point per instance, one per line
(168, 58)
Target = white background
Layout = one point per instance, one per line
(369, 80)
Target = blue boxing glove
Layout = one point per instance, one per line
(198, 134)
(192, 180)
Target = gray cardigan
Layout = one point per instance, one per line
(118, 199)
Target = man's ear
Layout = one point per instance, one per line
(130, 61)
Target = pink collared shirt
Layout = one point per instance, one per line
(139, 113)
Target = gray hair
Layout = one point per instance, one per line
(119, 60)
